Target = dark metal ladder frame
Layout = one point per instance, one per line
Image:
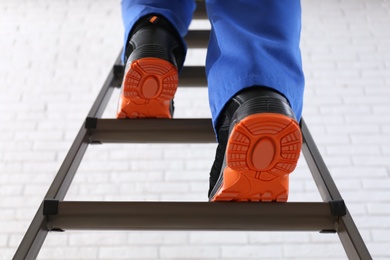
(55, 214)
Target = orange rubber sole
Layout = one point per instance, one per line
(262, 150)
(148, 87)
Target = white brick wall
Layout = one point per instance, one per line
(54, 57)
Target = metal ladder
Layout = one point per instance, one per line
(55, 214)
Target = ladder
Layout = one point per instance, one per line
(55, 214)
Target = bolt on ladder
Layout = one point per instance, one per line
(55, 214)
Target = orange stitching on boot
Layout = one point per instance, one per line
(153, 19)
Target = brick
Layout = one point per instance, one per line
(361, 171)
(189, 252)
(68, 252)
(7, 214)
(97, 238)
(162, 187)
(252, 251)
(134, 176)
(57, 239)
(378, 209)
(28, 156)
(211, 238)
(176, 196)
(3, 240)
(273, 238)
(368, 150)
(370, 139)
(343, 109)
(381, 250)
(187, 175)
(313, 251)
(142, 238)
(354, 129)
(128, 252)
(371, 160)
(7, 188)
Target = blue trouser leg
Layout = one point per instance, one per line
(254, 43)
(178, 12)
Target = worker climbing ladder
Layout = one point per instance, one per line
(55, 214)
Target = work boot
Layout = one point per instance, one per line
(154, 56)
(259, 143)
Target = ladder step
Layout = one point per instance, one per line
(193, 76)
(200, 11)
(154, 130)
(241, 216)
(197, 38)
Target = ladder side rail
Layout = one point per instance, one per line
(347, 231)
(36, 233)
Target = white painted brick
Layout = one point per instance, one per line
(385, 150)
(378, 208)
(162, 187)
(29, 177)
(367, 150)
(97, 238)
(34, 189)
(57, 239)
(343, 109)
(68, 253)
(46, 168)
(317, 238)
(211, 238)
(263, 238)
(125, 195)
(132, 176)
(7, 253)
(371, 160)
(128, 252)
(354, 129)
(7, 214)
(252, 251)
(381, 109)
(338, 160)
(189, 252)
(382, 250)
(312, 251)
(370, 139)
(200, 187)
(3, 240)
(28, 156)
(361, 171)
(189, 197)
(142, 238)
(6, 188)
(187, 175)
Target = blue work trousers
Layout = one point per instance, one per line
(252, 43)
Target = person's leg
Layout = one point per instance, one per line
(177, 12)
(154, 54)
(254, 43)
(256, 86)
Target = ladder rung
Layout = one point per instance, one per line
(292, 216)
(154, 130)
(193, 76)
(197, 38)
(200, 11)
